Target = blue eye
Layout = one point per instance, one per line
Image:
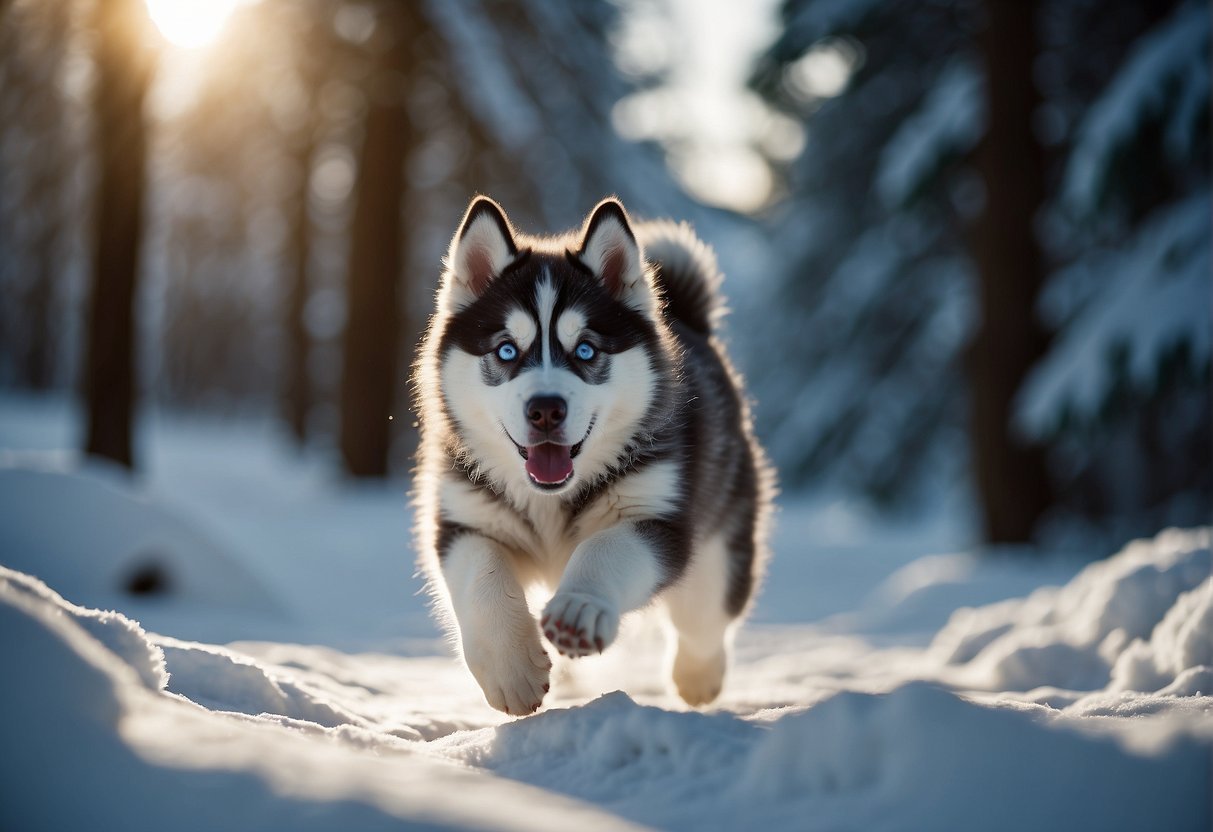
(584, 351)
(507, 352)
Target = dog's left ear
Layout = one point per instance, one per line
(609, 249)
(481, 249)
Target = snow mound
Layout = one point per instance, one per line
(927, 752)
(1136, 620)
(292, 737)
(87, 532)
(846, 763)
(1180, 650)
(214, 677)
(222, 679)
(922, 595)
(629, 757)
(87, 746)
(123, 637)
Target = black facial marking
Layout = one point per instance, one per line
(611, 327)
(696, 419)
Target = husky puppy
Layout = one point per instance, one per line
(583, 433)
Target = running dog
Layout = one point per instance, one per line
(584, 433)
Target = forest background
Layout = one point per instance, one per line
(967, 244)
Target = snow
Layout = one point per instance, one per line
(93, 561)
(948, 124)
(91, 747)
(1165, 79)
(1152, 295)
(1072, 636)
(891, 677)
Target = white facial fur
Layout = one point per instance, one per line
(607, 412)
(569, 328)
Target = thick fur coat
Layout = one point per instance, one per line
(583, 435)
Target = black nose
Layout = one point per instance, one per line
(546, 412)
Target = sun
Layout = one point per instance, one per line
(190, 24)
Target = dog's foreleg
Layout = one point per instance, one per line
(613, 572)
(500, 641)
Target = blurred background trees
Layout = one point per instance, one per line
(998, 236)
(976, 259)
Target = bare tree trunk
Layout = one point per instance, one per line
(315, 56)
(1012, 479)
(372, 332)
(38, 370)
(297, 394)
(123, 70)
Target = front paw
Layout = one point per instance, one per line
(513, 673)
(579, 624)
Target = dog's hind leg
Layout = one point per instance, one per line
(697, 609)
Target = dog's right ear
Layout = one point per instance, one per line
(481, 249)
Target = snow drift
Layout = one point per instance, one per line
(85, 530)
(1135, 621)
(109, 725)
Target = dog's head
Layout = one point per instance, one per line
(551, 350)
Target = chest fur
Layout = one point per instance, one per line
(545, 529)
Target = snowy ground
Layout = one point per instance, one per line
(287, 674)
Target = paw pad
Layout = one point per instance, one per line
(578, 624)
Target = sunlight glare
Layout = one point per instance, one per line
(190, 24)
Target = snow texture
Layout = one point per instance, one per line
(901, 759)
(123, 637)
(1072, 636)
(1152, 296)
(851, 703)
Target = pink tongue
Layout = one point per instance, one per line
(549, 464)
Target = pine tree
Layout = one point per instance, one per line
(873, 303)
(885, 225)
(1123, 395)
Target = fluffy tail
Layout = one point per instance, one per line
(686, 272)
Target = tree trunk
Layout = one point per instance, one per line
(123, 64)
(38, 370)
(372, 331)
(1012, 479)
(297, 392)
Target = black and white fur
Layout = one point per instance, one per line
(609, 477)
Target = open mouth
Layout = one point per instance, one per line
(548, 464)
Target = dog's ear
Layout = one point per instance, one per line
(481, 249)
(609, 249)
